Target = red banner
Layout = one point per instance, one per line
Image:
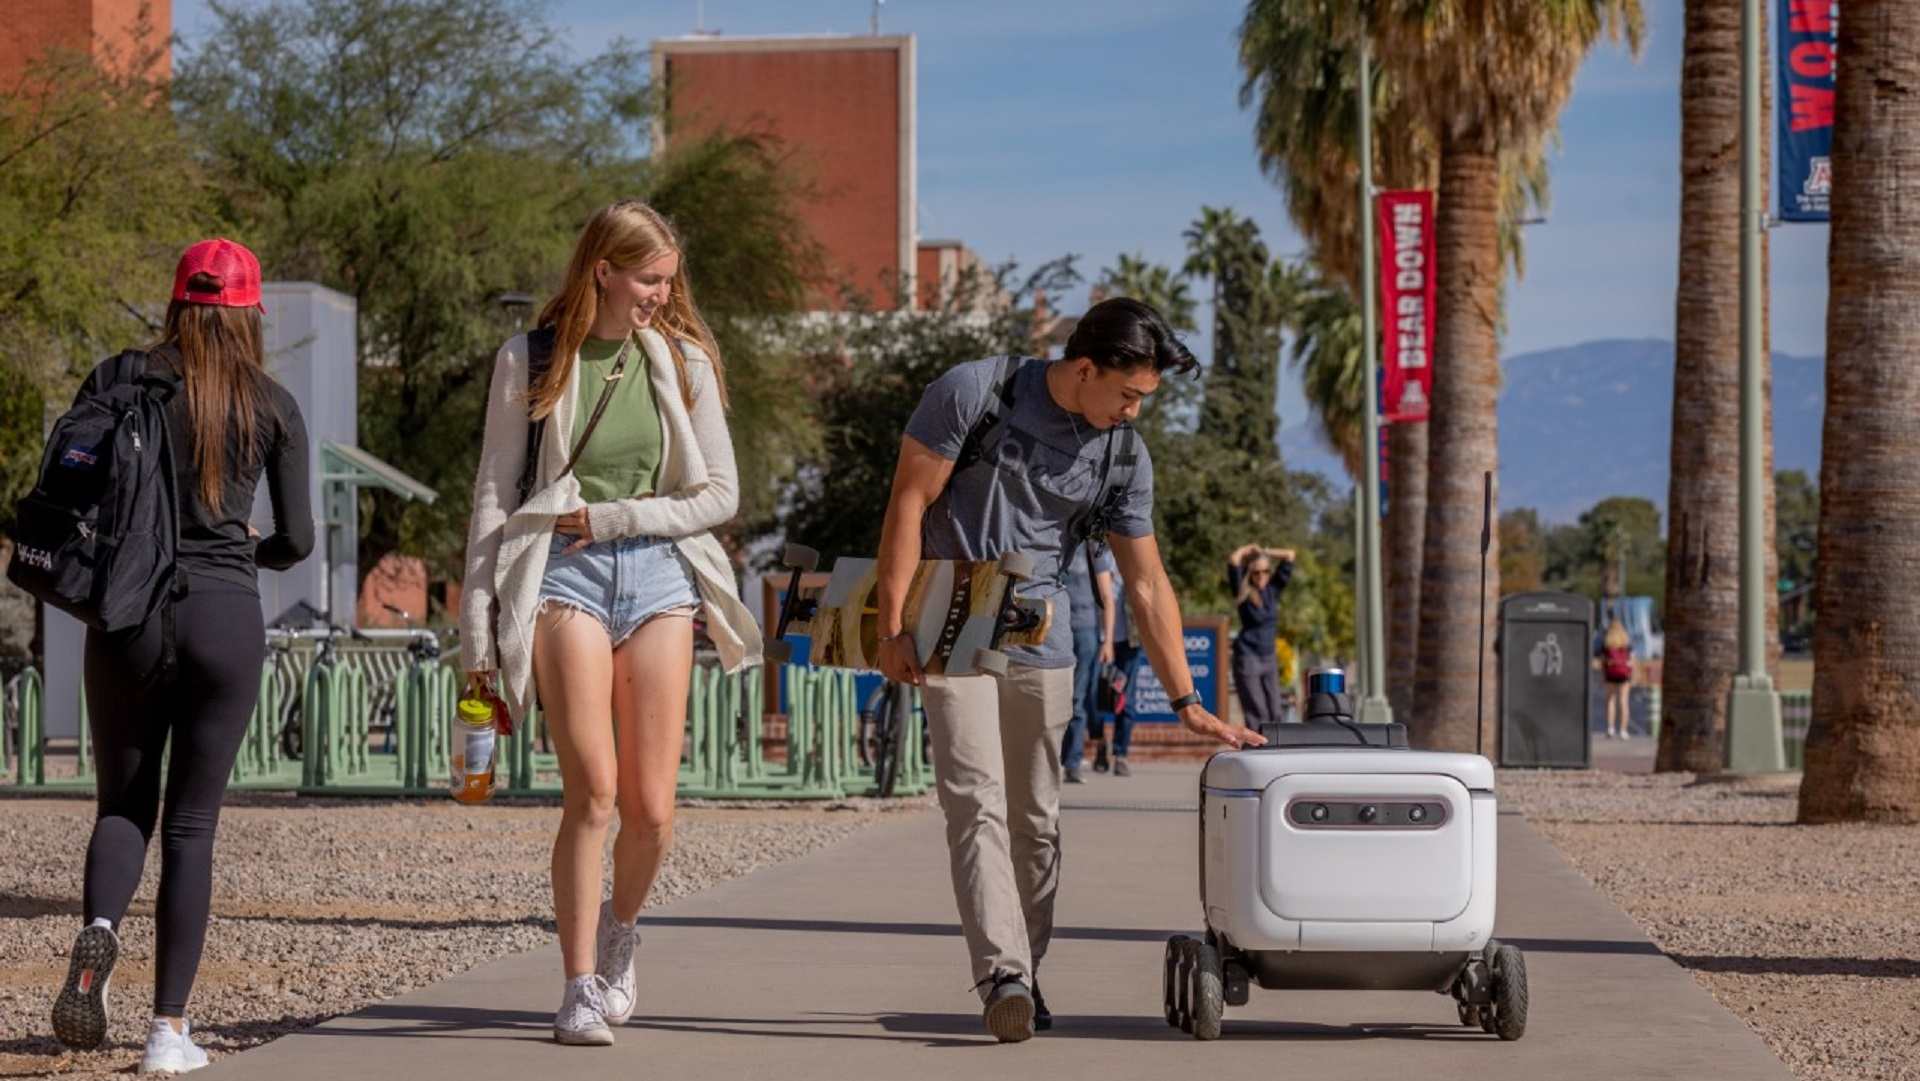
(1406, 304)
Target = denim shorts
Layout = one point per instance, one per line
(622, 583)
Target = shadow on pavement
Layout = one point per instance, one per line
(864, 927)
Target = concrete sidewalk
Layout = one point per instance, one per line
(849, 964)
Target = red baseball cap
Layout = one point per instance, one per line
(227, 260)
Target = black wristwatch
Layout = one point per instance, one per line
(1192, 698)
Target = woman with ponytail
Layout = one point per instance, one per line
(585, 592)
(183, 684)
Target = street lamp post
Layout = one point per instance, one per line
(1373, 651)
(1753, 708)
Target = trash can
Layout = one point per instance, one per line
(1543, 643)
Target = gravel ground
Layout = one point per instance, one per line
(324, 906)
(1807, 933)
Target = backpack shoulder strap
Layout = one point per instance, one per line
(539, 352)
(539, 359)
(999, 407)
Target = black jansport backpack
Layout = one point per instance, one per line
(97, 536)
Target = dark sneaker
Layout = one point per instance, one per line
(80, 1013)
(1100, 758)
(1009, 1010)
(1120, 767)
(1042, 1017)
(1073, 776)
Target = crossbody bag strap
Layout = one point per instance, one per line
(600, 407)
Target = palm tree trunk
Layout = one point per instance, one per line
(1463, 443)
(1863, 753)
(1406, 525)
(1702, 611)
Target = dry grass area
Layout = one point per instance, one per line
(324, 906)
(1810, 934)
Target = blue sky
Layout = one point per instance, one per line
(1097, 127)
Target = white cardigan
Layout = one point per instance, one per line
(507, 546)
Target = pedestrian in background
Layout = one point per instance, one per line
(1090, 598)
(1113, 692)
(1256, 576)
(178, 690)
(1616, 664)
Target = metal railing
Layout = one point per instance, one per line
(354, 714)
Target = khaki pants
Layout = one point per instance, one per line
(996, 756)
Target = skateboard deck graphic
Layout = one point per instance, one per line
(960, 612)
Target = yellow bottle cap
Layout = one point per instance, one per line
(475, 711)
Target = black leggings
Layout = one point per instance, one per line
(136, 697)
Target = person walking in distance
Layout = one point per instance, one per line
(1256, 577)
(594, 540)
(181, 686)
(1114, 687)
(1089, 582)
(1020, 453)
(1616, 665)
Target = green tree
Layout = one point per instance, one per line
(430, 157)
(1300, 61)
(1327, 352)
(98, 195)
(1619, 531)
(1150, 283)
(1523, 551)
(1796, 535)
(1242, 378)
(1490, 78)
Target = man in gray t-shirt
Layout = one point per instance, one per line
(1025, 455)
(1039, 469)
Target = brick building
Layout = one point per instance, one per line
(842, 110)
(106, 29)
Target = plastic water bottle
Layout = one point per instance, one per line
(471, 749)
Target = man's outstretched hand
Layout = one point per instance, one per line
(1197, 719)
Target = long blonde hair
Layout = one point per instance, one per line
(628, 233)
(1249, 594)
(1617, 636)
(223, 364)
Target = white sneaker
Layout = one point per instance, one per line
(583, 1014)
(169, 1051)
(613, 945)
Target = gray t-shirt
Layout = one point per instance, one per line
(1038, 468)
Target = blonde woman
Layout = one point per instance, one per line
(1616, 664)
(1256, 577)
(597, 574)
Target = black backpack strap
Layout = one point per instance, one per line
(1002, 394)
(539, 359)
(1090, 527)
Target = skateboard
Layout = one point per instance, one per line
(962, 613)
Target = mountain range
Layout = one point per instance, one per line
(1584, 422)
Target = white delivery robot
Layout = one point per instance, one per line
(1337, 859)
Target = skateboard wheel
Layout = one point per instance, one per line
(991, 661)
(779, 651)
(801, 557)
(1017, 566)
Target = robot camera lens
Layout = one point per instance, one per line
(1318, 813)
(1369, 812)
(1416, 813)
